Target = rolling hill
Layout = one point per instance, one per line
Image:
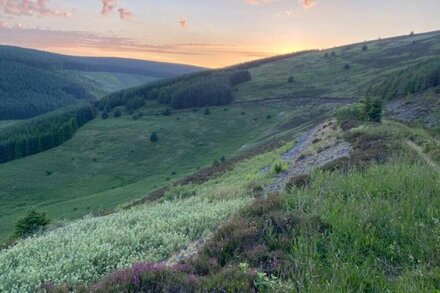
(35, 82)
(307, 202)
(96, 171)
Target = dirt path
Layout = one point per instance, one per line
(302, 159)
(418, 149)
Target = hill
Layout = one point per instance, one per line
(260, 191)
(344, 72)
(35, 82)
(95, 171)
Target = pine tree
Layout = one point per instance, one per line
(153, 137)
(375, 113)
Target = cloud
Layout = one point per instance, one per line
(108, 6)
(31, 8)
(183, 22)
(60, 40)
(125, 13)
(307, 3)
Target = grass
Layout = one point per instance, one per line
(87, 249)
(316, 75)
(102, 83)
(374, 229)
(6, 123)
(111, 162)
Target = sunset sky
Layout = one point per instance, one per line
(210, 33)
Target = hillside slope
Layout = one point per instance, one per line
(95, 171)
(34, 82)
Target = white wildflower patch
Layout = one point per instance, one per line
(86, 250)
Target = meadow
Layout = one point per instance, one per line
(88, 249)
(113, 162)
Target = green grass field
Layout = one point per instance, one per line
(111, 162)
(6, 123)
(315, 75)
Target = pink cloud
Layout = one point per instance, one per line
(31, 8)
(125, 13)
(307, 3)
(108, 6)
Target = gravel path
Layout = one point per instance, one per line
(304, 166)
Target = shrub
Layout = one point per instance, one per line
(351, 112)
(207, 112)
(347, 66)
(268, 116)
(364, 48)
(117, 113)
(104, 115)
(280, 166)
(291, 79)
(31, 223)
(154, 137)
(300, 181)
(333, 54)
(166, 112)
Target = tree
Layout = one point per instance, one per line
(373, 109)
(104, 115)
(326, 55)
(291, 79)
(166, 112)
(375, 113)
(364, 48)
(207, 112)
(117, 113)
(153, 137)
(31, 223)
(333, 54)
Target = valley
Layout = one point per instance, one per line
(309, 172)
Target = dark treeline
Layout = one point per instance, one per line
(51, 61)
(27, 92)
(44, 132)
(207, 88)
(412, 79)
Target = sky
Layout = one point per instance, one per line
(210, 33)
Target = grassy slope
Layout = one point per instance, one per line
(111, 162)
(103, 83)
(6, 123)
(177, 221)
(372, 229)
(316, 75)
